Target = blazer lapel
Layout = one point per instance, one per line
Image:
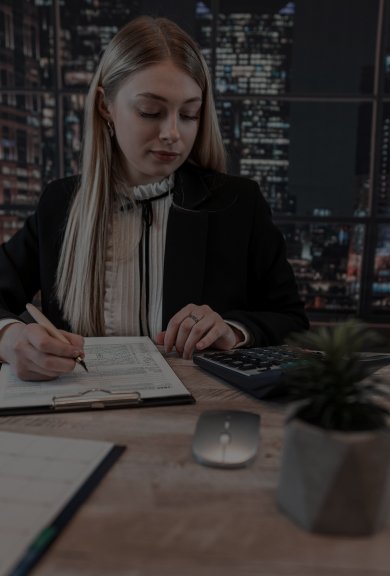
(186, 243)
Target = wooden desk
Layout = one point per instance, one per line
(159, 513)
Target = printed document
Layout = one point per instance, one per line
(116, 365)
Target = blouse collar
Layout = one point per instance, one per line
(152, 189)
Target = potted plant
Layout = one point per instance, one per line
(335, 472)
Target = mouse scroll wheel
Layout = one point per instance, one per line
(225, 438)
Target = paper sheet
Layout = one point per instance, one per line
(116, 364)
(38, 476)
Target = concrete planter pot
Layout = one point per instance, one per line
(335, 482)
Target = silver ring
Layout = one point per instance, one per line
(194, 318)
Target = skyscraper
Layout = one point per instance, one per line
(253, 59)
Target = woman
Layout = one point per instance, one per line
(153, 238)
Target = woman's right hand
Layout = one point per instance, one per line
(35, 355)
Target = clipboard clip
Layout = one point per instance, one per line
(105, 399)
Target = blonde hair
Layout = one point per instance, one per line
(81, 270)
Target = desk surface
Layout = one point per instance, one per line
(158, 512)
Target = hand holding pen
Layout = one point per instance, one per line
(53, 331)
(37, 352)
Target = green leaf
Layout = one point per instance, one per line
(333, 385)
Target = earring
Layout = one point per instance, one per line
(110, 129)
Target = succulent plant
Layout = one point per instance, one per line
(333, 389)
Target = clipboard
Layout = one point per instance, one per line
(82, 401)
(123, 372)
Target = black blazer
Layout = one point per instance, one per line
(222, 249)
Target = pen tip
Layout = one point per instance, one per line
(82, 363)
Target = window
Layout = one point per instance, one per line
(302, 90)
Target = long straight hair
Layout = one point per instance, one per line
(81, 270)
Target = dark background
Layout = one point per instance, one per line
(303, 95)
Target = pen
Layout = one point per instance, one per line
(53, 331)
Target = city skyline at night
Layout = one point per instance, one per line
(293, 146)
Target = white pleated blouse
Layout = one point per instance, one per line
(126, 310)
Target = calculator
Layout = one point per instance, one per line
(261, 372)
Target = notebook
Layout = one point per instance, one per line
(43, 482)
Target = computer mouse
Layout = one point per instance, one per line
(226, 438)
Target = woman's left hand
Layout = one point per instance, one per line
(196, 328)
